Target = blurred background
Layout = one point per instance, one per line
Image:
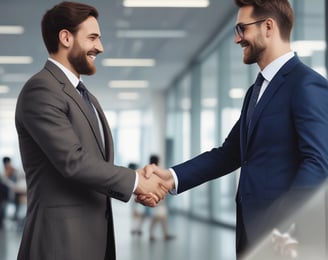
(171, 81)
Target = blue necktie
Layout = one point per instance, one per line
(254, 97)
(84, 93)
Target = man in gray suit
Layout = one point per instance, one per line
(67, 149)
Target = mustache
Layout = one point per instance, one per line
(93, 52)
(244, 43)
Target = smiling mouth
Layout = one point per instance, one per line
(93, 57)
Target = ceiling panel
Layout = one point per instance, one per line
(172, 55)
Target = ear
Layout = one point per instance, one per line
(270, 26)
(65, 38)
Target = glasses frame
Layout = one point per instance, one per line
(240, 28)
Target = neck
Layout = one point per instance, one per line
(64, 61)
(274, 53)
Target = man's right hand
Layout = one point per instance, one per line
(164, 180)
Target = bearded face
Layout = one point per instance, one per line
(82, 60)
(253, 50)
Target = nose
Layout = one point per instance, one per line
(99, 46)
(237, 38)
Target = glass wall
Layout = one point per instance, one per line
(215, 87)
(136, 133)
(178, 133)
(8, 138)
(309, 33)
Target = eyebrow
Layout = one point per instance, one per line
(95, 35)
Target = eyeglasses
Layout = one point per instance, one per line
(240, 28)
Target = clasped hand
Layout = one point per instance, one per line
(154, 184)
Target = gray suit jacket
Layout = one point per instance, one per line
(70, 173)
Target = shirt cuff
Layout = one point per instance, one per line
(136, 182)
(174, 191)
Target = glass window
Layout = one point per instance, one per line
(208, 137)
(178, 134)
(125, 127)
(8, 138)
(309, 33)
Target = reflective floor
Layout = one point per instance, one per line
(194, 240)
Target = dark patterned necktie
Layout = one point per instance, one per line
(85, 96)
(84, 93)
(254, 97)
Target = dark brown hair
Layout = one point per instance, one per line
(280, 10)
(66, 15)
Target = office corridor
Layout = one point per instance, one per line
(194, 240)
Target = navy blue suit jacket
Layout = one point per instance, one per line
(286, 148)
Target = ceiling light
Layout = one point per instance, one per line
(151, 34)
(128, 95)
(128, 84)
(128, 62)
(11, 29)
(16, 60)
(4, 89)
(166, 3)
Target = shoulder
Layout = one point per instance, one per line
(41, 91)
(299, 71)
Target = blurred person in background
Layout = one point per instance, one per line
(159, 214)
(139, 212)
(13, 180)
(4, 195)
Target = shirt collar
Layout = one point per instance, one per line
(70, 75)
(271, 70)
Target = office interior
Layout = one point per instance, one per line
(171, 81)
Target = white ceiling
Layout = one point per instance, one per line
(172, 55)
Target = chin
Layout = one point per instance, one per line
(246, 61)
(91, 70)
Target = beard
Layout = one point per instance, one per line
(254, 52)
(79, 60)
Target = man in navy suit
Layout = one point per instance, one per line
(282, 147)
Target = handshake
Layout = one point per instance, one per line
(154, 183)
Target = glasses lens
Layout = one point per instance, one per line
(239, 30)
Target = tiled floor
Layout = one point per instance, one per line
(194, 240)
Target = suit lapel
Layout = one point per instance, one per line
(71, 91)
(107, 133)
(273, 86)
(276, 83)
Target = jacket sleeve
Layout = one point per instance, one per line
(53, 129)
(211, 164)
